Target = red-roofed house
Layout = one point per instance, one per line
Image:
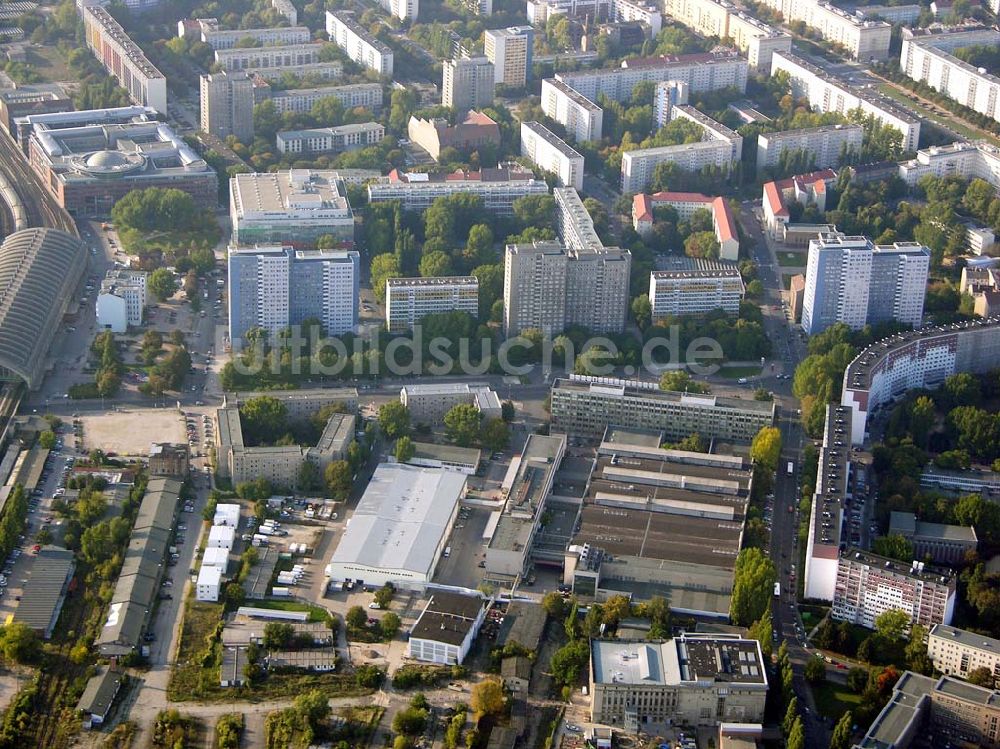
(804, 188)
(686, 203)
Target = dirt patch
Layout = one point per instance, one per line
(131, 431)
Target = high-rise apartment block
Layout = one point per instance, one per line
(409, 300)
(123, 59)
(828, 93)
(292, 208)
(550, 287)
(926, 56)
(358, 43)
(863, 38)
(227, 105)
(582, 119)
(548, 151)
(468, 83)
(825, 145)
(274, 287)
(721, 19)
(869, 585)
(404, 10)
(615, 11)
(850, 280)
(510, 52)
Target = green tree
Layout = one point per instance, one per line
(435, 263)
(339, 479)
(981, 677)
(842, 732)
(679, 380)
(383, 267)
(766, 447)
(857, 679)
(762, 631)
(791, 713)
(797, 736)
(309, 478)
(488, 697)
(394, 419)
(162, 284)
(815, 671)
(389, 625)
(893, 546)
(891, 625)
(921, 420)
(554, 605)
(404, 449)
(569, 661)
(278, 635)
(495, 435)
(642, 311)
(263, 419)
(753, 586)
(461, 424)
(702, 244)
(410, 721)
(313, 706)
(19, 643)
(479, 245)
(47, 439)
(356, 618)
(536, 210)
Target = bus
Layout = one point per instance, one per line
(791, 468)
(777, 590)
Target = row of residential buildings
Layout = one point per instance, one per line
(721, 19)
(864, 38)
(358, 42)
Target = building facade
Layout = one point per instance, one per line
(698, 680)
(548, 151)
(288, 56)
(274, 287)
(367, 95)
(964, 160)
(358, 43)
(123, 59)
(721, 19)
(827, 93)
(217, 38)
(934, 542)
(468, 83)
(586, 407)
(510, 51)
(498, 188)
(409, 300)
(696, 289)
(550, 287)
(863, 38)
(331, 139)
(958, 652)
(429, 403)
(293, 208)
(850, 280)
(433, 135)
(227, 105)
(686, 203)
(639, 166)
(121, 300)
(579, 115)
(826, 145)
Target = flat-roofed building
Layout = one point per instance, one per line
(581, 117)
(449, 457)
(711, 129)
(358, 42)
(548, 151)
(45, 590)
(724, 20)
(963, 160)
(367, 95)
(924, 711)
(549, 286)
(938, 542)
(926, 56)
(168, 459)
(695, 288)
(123, 58)
(863, 38)
(217, 38)
(429, 403)
(467, 83)
(446, 628)
(826, 146)
(409, 300)
(587, 406)
(498, 188)
(686, 203)
(121, 302)
(510, 52)
(314, 71)
(958, 652)
(869, 585)
(294, 208)
(639, 166)
(31, 99)
(337, 139)
(919, 359)
(400, 527)
(525, 489)
(227, 101)
(828, 93)
(288, 56)
(698, 680)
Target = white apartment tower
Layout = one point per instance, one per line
(855, 282)
(510, 51)
(227, 105)
(358, 43)
(468, 83)
(550, 152)
(549, 287)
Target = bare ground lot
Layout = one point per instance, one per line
(131, 431)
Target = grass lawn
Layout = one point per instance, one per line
(833, 700)
(49, 63)
(791, 259)
(734, 373)
(954, 123)
(316, 613)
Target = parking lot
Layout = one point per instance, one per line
(128, 432)
(462, 566)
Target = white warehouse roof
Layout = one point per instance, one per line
(215, 556)
(400, 523)
(227, 514)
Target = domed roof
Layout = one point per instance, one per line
(106, 160)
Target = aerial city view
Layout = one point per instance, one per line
(495, 374)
